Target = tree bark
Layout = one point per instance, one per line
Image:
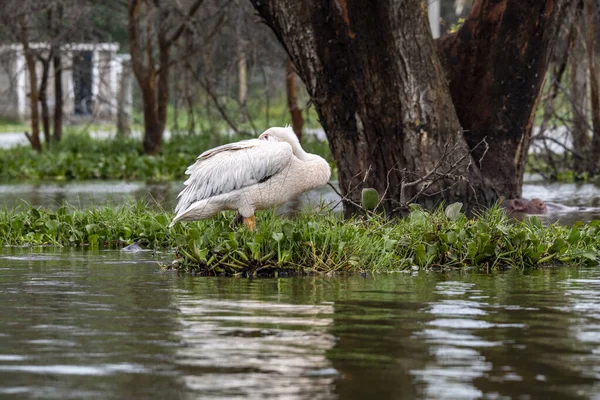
(589, 10)
(579, 98)
(58, 97)
(57, 65)
(43, 98)
(496, 65)
(34, 137)
(123, 101)
(243, 86)
(382, 97)
(292, 100)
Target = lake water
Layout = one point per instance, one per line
(585, 196)
(111, 325)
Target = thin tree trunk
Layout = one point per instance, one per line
(496, 64)
(382, 97)
(123, 101)
(292, 100)
(58, 96)
(43, 98)
(267, 97)
(34, 137)
(243, 86)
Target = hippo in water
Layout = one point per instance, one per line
(539, 207)
(524, 206)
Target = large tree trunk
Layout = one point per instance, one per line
(382, 97)
(34, 137)
(153, 128)
(496, 65)
(292, 99)
(589, 11)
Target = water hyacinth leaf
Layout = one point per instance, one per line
(489, 249)
(297, 236)
(34, 213)
(93, 240)
(127, 232)
(91, 228)
(558, 246)
(535, 222)
(288, 230)
(484, 239)
(482, 227)
(590, 255)
(420, 254)
(574, 235)
(17, 224)
(452, 212)
(52, 225)
(285, 256)
(389, 244)
(193, 234)
(231, 244)
(163, 220)
(415, 207)
(472, 249)
(277, 236)
(432, 251)
(369, 198)
(418, 217)
(180, 240)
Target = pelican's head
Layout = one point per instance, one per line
(281, 135)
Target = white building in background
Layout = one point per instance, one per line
(433, 12)
(90, 80)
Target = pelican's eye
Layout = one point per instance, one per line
(264, 136)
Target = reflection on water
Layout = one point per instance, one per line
(586, 196)
(109, 324)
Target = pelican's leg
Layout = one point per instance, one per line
(250, 223)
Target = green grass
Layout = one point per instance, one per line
(314, 243)
(12, 125)
(78, 157)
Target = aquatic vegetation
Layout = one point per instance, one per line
(316, 242)
(79, 157)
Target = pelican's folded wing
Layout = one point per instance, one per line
(231, 167)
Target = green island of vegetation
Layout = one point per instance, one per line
(318, 242)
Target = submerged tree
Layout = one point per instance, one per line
(414, 125)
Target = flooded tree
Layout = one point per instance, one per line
(568, 139)
(414, 125)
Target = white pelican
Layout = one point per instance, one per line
(250, 175)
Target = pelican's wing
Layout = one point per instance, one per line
(232, 166)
